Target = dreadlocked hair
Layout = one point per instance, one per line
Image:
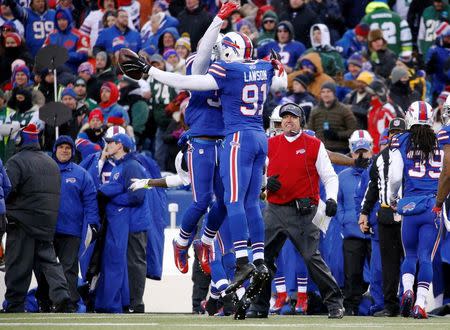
(422, 142)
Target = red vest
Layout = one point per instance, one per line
(295, 163)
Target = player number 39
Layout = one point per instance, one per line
(253, 98)
(420, 170)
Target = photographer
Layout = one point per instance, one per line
(296, 163)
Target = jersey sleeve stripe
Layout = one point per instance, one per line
(218, 67)
(211, 70)
(443, 137)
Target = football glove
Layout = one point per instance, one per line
(330, 207)
(227, 9)
(139, 184)
(135, 64)
(275, 59)
(361, 162)
(273, 184)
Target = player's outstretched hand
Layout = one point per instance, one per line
(139, 184)
(227, 9)
(275, 60)
(135, 64)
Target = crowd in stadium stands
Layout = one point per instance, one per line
(352, 65)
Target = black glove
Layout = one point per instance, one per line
(330, 135)
(3, 225)
(135, 64)
(273, 184)
(362, 162)
(331, 207)
(95, 231)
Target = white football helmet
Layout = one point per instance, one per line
(419, 113)
(360, 139)
(275, 122)
(236, 46)
(445, 112)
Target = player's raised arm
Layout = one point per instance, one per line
(194, 82)
(209, 40)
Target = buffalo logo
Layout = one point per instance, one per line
(228, 43)
(409, 207)
(300, 151)
(71, 180)
(116, 176)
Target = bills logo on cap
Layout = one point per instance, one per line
(396, 123)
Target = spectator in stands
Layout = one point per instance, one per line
(86, 72)
(332, 121)
(353, 41)
(302, 18)
(109, 95)
(76, 43)
(329, 13)
(162, 95)
(21, 78)
(268, 30)
(194, 20)
(246, 27)
(157, 23)
(300, 95)
(119, 33)
(109, 19)
(167, 39)
(7, 18)
(46, 87)
(381, 58)
(14, 48)
(104, 72)
(395, 29)
(359, 99)
(332, 62)
(311, 66)
(133, 102)
(429, 22)
(95, 128)
(82, 98)
(7, 145)
(91, 24)
(38, 21)
(285, 45)
(173, 132)
(183, 47)
(415, 11)
(76, 11)
(400, 91)
(133, 8)
(437, 61)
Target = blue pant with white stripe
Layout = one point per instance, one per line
(241, 168)
(420, 239)
(202, 161)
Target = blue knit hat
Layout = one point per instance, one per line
(30, 134)
(68, 91)
(64, 139)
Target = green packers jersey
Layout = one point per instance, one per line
(395, 30)
(430, 20)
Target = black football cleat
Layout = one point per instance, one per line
(242, 273)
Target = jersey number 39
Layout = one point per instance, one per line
(432, 167)
(253, 98)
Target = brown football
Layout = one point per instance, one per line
(124, 55)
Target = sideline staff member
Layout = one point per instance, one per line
(296, 163)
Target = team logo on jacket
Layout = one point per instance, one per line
(409, 207)
(300, 151)
(71, 180)
(235, 144)
(116, 176)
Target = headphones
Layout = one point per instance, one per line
(296, 110)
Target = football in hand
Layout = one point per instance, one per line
(127, 55)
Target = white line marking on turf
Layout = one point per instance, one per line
(299, 325)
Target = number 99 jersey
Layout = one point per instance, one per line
(419, 178)
(243, 89)
(204, 111)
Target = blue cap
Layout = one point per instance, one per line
(121, 138)
(361, 144)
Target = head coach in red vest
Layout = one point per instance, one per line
(297, 161)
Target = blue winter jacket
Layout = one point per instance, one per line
(112, 36)
(359, 196)
(123, 200)
(349, 45)
(78, 203)
(348, 182)
(5, 188)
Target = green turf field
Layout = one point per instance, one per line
(179, 322)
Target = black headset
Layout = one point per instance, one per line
(295, 109)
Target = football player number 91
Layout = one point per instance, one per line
(254, 98)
